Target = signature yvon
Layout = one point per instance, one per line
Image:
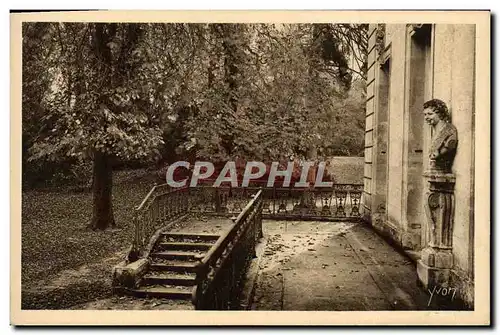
(442, 291)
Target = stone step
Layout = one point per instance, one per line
(184, 246)
(163, 291)
(190, 236)
(175, 266)
(176, 279)
(179, 255)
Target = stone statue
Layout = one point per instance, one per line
(436, 259)
(444, 138)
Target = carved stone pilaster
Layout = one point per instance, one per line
(437, 258)
(380, 39)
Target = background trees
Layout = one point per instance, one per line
(111, 93)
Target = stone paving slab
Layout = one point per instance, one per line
(333, 266)
(341, 303)
(204, 225)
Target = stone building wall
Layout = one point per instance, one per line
(408, 65)
(369, 126)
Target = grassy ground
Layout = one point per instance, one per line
(347, 170)
(63, 262)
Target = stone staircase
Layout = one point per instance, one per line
(172, 271)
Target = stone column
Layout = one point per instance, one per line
(436, 260)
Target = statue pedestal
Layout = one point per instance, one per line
(436, 260)
(434, 266)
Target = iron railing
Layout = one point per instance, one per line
(341, 201)
(220, 274)
(160, 206)
(164, 204)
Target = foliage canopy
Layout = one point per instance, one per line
(134, 91)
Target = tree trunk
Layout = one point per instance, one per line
(231, 71)
(102, 216)
(212, 34)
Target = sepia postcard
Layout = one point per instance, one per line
(221, 167)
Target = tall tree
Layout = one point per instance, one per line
(36, 80)
(100, 105)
